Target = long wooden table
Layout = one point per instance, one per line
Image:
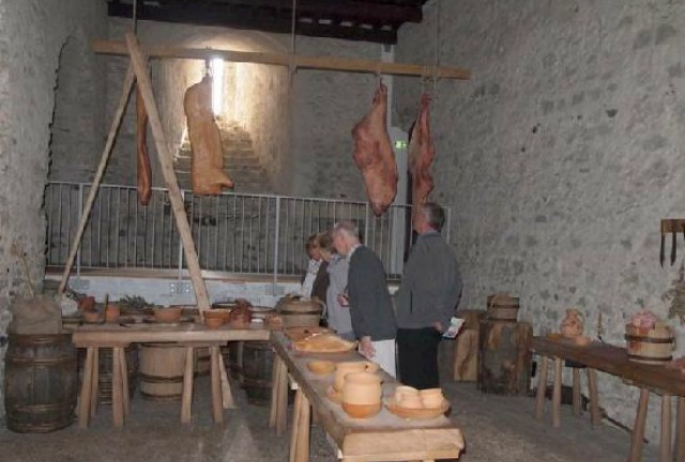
(614, 360)
(384, 437)
(188, 335)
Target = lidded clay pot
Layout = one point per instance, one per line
(361, 394)
(347, 367)
(431, 398)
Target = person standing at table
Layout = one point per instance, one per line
(371, 310)
(337, 314)
(426, 299)
(315, 279)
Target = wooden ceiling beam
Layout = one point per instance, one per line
(241, 17)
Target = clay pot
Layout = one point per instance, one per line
(223, 314)
(410, 402)
(572, 326)
(213, 323)
(347, 367)
(320, 367)
(431, 398)
(170, 314)
(92, 316)
(402, 390)
(112, 313)
(362, 394)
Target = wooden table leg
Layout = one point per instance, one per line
(302, 445)
(542, 388)
(94, 396)
(665, 449)
(680, 431)
(124, 382)
(294, 435)
(595, 415)
(226, 392)
(576, 391)
(86, 390)
(282, 410)
(639, 428)
(117, 386)
(187, 395)
(556, 393)
(273, 411)
(217, 402)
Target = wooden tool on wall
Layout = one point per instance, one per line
(671, 226)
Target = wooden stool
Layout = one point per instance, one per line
(88, 399)
(279, 396)
(595, 416)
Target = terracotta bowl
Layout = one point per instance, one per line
(213, 323)
(402, 390)
(320, 367)
(92, 316)
(431, 398)
(410, 402)
(223, 314)
(361, 411)
(171, 314)
(112, 313)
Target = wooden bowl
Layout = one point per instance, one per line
(320, 367)
(218, 313)
(416, 414)
(170, 314)
(213, 323)
(361, 411)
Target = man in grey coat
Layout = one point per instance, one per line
(426, 299)
(373, 318)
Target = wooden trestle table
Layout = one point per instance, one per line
(384, 437)
(189, 335)
(614, 360)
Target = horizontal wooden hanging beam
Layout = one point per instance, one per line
(328, 63)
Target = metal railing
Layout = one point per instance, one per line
(234, 233)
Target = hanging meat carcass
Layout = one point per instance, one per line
(207, 164)
(421, 155)
(144, 171)
(373, 154)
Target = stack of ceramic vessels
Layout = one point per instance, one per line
(411, 398)
(362, 395)
(348, 367)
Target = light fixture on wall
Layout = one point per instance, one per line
(217, 85)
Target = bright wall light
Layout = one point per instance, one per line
(217, 85)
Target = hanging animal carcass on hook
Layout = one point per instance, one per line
(207, 164)
(421, 155)
(373, 154)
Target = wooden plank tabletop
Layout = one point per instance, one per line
(382, 437)
(98, 334)
(613, 360)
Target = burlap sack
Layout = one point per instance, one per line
(40, 315)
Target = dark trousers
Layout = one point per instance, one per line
(417, 351)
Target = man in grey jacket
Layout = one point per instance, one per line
(426, 299)
(373, 318)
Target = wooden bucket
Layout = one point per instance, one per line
(650, 346)
(258, 358)
(105, 374)
(502, 307)
(40, 382)
(161, 371)
(299, 313)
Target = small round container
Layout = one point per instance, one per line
(112, 313)
(170, 314)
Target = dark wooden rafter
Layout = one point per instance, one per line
(318, 18)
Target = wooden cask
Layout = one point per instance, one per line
(40, 382)
(504, 360)
(650, 346)
(465, 365)
(298, 312)
(161, 371)
(257, 369)
(503, 307)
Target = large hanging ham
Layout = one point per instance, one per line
(144, 171)
(207, 164)
(374, 156)
(421, 155)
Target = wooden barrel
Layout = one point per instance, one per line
(504, 357)
(258, 358)
(40, 382)
(105, 374)
(202, 361)
(502, 307)
(650, 346)
(298, 313)
(161, 371)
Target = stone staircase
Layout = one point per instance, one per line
(241, 163)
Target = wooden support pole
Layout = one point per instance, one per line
(595, 414)
(117, 387)
(639, 428)
(576, 391)
(226, 392)
(129, 80)
(124, 381)
(556, 394)
(294, 435)
(217, 401)
(327, 63)
(542, 388)
(187, 394)
(86, 390)
(140, 68)
(665, 449)
(94, 397)
(302, 444)
(679, 449)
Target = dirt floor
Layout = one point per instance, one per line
(496, 428)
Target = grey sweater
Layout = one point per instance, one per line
(370, 302)
(338, 316)
(430, 286)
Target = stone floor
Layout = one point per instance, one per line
(496, 429)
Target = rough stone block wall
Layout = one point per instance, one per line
(32, 36)
(560, 156)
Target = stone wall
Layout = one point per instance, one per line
(560, 155)
(33, 35)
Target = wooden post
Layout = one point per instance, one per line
(187, 394)
(217, 401)
(129, 80)
(117, 404)
(680, 431)
(124, 381)
(273, 411)
(294, 436)
(576, 391)
(95, 383)
(86, 390)
(226, 393)
(542, 388)
(639, 428)
(165, 160)
(302, 445)
(666, 455)
(556, 394)
(595, 415)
